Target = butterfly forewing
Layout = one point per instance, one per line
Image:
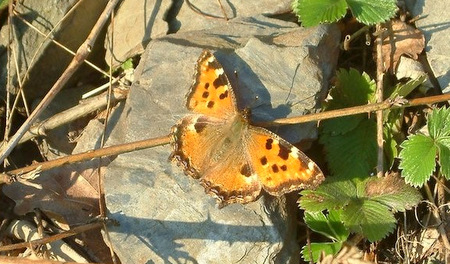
(211, 92)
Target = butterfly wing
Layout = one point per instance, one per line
(205, 150)
(211, 93)
(280, 166)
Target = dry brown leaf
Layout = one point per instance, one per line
(347, 255)
(402, 40)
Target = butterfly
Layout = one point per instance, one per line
(233, 159)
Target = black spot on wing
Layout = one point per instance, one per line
(263, 160)
(210, 104)
(220, 81)
(206, 86)
(246, 170)
(199, 127)
(269, 143)
(275, 168)
(223, 95)
(284, 152)
(205, 94)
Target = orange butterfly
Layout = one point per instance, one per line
(233, 159)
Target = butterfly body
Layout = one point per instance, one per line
(233, 159)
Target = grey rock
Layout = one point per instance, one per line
(434, 25)
(137, 21)
(135, 24)
(165, 216)
(210, 14)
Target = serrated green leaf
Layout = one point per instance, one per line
(439, 122)
(317, 248)
(331, 195)
(352, 89)
(417, 159)
(369, 218)
(392, 192)
(328, 225)
(352, 154)
(371, 12)
(444, 155)
(314, 12)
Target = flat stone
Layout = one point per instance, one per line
(434, 25)
(136, 22)
(164, 215)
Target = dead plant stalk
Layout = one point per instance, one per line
(153, 142)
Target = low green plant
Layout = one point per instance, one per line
(314, 12)
(350, 200)
(423, 151)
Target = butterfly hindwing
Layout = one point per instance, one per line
(280, 166)
(223, 168)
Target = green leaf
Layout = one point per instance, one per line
(444, 155)
(390, 145)
(128, 64)
(3, 4)
(352, 154)
(329, 195)
(364, 205)
(417, 159)
(350, 142)
(328, 225)
(402, 90)
(439, 123)
(352, 89)
(317, 248)
(369, 218)
(392, 192)
(314, 12)
(371, 12)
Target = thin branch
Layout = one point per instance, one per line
(379, 96)
(76, 62)
(387, 104)
(89, 155)
(17, 260)
(153, 142)
(84, 108)
(200, 12)
(101, 187)
(45, 240)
